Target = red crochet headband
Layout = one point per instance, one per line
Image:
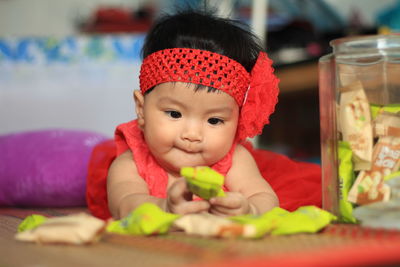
(256, 92)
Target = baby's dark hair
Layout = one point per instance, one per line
(205, 31)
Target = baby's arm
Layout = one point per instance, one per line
(249, 192)
(126, 190)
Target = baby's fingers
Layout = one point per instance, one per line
(229, 201)
(232, 204)
(192, 207)
(223, 211)
(179, 192)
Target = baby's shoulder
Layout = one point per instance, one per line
(241, 152)
(125, 158)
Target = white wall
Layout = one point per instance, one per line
(75, 82)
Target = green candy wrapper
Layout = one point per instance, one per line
(31, 222)
(203, 181)
(147, 219)
(258, 226)
(346, 180)
(391, 108)
(392, 175)
(375, 109)
(307, 219)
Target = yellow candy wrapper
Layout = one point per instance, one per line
(391, 176)
(31, 222)
(391, 108)
(259, 225)
(307, 219)
(203, 181)
(346, 180)
(375, 110)
(147, 219)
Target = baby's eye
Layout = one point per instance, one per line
(173, 114)
(215, 121)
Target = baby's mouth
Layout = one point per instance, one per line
(190, 150)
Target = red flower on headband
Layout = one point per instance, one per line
(261, 99)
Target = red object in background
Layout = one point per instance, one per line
(119, 20)
(96, 188)
(296, 183)
(112, 15)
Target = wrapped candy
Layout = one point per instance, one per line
(356, 125)
(147, 219)
(203, 181)
(206, 224)
(306, 219)
(31, 222)
(76, 229)
(346, 180)
(259, 225)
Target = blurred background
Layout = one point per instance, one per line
(74, 64)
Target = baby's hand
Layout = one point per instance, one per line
(232, 204)
(179, 200)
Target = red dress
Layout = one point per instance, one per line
(296, 183)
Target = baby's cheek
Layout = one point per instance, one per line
(219, 148)
(159, 134)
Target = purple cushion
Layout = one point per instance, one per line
(45, 168)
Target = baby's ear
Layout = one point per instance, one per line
(139, 101)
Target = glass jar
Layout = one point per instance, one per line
(358, 83)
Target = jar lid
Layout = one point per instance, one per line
(360, 44)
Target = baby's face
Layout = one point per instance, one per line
(183, 127)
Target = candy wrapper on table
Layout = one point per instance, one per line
(147, 219)
(307, 219)
(75, 229)
(31, 222)
(209, 225)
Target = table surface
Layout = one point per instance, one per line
(338, 245)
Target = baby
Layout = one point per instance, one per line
(205, 86)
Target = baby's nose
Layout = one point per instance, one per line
(192, 132)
